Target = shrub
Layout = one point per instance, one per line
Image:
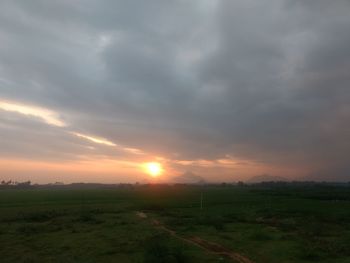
(160, 249)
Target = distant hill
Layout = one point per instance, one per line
(266, 178)
(188, 178)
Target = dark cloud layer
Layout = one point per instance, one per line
(262, 81)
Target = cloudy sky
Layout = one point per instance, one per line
(90, 90)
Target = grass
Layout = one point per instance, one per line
(266, 224)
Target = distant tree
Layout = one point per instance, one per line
(27, 183)
(24, 184)
(240, 183)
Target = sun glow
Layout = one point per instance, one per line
(154, 169)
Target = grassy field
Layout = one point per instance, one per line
(274, 224)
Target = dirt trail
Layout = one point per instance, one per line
(208, 246)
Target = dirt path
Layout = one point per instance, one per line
(208, 246)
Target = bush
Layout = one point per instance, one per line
(160, 249)
(38, 216)
(215, 221)
(260, 235)
(28, 229)
(310, 252)
(87, 217)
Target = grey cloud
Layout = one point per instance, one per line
(261, 81)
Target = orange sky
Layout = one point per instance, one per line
(114, 171)
(92, 164)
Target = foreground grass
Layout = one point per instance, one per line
(278, 224)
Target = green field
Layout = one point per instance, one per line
(274, 224)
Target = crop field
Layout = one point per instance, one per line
(159, 223)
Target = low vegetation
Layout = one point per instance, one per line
(271, 223)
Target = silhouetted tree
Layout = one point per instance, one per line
(240, 183)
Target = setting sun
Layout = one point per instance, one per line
(154, 169)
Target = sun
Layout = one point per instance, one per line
(154, 169)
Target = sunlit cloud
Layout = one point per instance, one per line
(199, 163)
(224, 162)
(95, 139)
(104, 141)
(50, 117)
(133, 150)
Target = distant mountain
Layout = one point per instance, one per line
(266, 178)
(188, 178)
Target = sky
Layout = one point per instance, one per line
(91, 90)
